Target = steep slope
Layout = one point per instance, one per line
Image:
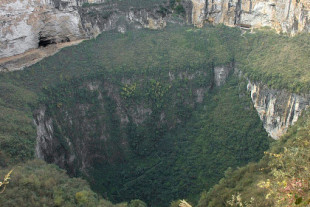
(147, 121)
(279, 179)
(131, 121)
(46, 185)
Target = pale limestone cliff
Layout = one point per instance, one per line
(198, 12)
(288, 16)
(277, 109)
(29, 24)
(25, 24)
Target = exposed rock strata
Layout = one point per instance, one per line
(25, 24)
(105, 17)
(28, 24)
(46, 143)
(288, 16)
(277, 109)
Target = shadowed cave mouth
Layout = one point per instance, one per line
(45, 41)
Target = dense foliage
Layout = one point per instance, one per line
(162, 71)
(159, 152)
(277, 60)
(35, 183)
(17, 134)
(280, 178)
(170, 149)
(147, 52)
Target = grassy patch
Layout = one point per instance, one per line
(278, 60)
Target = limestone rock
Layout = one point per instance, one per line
(288, 16)
(27, 24)
(277, 109)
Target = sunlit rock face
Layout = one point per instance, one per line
(284, 16)
(277, 109)
(27, 24)
(198, 12)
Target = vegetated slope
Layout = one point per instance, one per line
(150, 139)
(17, 135)
(34, 183)
(148, 58)
(280, 178)
(143, 159)
(155, 161)
(145, 50)
(278, 61)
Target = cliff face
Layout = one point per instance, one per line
(104, 17)
(76, 135)
(289, 16)
(28, 24)
(277, 109)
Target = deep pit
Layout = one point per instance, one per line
(148, 133)
(144, 122)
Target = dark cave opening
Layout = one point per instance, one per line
(44, 41)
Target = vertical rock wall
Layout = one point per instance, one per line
(29, 24)
(288, 16)
(277, 109)
(25, 24)
(198, 12)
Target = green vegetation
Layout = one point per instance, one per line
(166, 158)
(277, 60)
(156, 152)
(35, 183)
(179, 147)
(17, 135)
(179, 9)
(280, 178)
(126, 4)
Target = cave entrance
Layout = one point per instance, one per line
(43, 41)
(48, 40)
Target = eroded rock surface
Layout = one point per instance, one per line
(288, 16)
(277, 109)
(28, 24)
